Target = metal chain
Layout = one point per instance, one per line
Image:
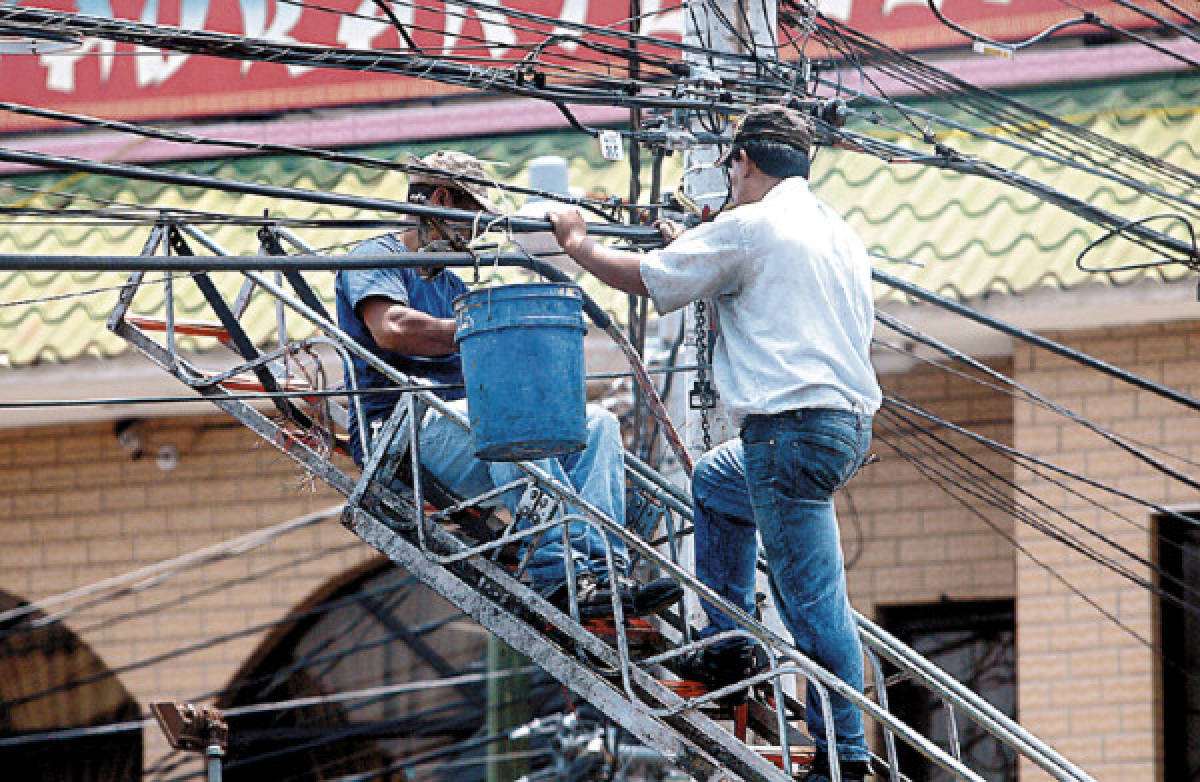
(703, 396)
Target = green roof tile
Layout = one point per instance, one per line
(971, 236)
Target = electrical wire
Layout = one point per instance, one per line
(1004, 388)
(260, 708)
(1084, 497)
(1141, 39)
(985, 479)
(365, 161)
(924, 465)
(1011, 115)
(152, 575)
(1087, 18)
(900, 327)
(315, 393)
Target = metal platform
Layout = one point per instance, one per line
(603, 671)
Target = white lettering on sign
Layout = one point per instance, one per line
(60, 68)
(574, 11)
(838, 9)
(654, 22)
(254, 22)
(496, 29)
(152, 68)
(892, 5)
(355, 32)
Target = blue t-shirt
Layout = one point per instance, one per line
(404, 286)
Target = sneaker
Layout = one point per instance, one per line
(720, 666)
(595, 597)
(651, 598)
(852, 770)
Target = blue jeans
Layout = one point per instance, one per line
(597, 473)
(778, 480)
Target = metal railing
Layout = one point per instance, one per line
(396, 523)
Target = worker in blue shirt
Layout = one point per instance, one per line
(406, 318)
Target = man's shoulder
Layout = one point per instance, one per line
(380, 245)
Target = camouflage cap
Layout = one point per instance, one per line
(446, 166)
(772, 122)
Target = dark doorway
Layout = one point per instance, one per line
(380, 629)
(50, 680)
(1179, 638)
(973, 641)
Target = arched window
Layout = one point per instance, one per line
(375, 629)
(50, 680)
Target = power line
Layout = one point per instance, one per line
(152, 575)
(260, 708)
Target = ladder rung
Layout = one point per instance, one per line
(192, 328)
(684, 688)
(801, 756)
(250, 382)
(640, 634)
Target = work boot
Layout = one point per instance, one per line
(720, 666)
(595, 597)
(852, 770)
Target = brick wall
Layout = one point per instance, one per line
(76, 509)
(1087, 685)
(918, 544)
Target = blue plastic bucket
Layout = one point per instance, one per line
(522, 359)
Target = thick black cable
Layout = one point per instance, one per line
(1035, 339)
(1082, 496)
(484, 219)
(1087, 18)
(1193, 19)
(1029, 461)
(401, 30)
(153, 214)
(657, 60)
(365, 161)
(903, 328)
(1193, 263)
(973, 485)
(1024, 120)
(242, 48)
(1006, 389)
(1144, 41)
(920, 464)
(1151, 190)
(921, 461)
(1030, 517)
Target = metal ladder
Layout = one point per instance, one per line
(683, 730)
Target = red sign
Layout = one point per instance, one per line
(120, 81)
(910, 25)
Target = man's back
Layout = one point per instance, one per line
(792, 287)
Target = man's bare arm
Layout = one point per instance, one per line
(619, 268)
(402, 329)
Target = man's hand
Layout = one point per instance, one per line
(669, 229)
(570, 229)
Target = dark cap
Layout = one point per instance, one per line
(773, 122)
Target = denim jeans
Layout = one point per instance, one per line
(778, 481)
(597, 473)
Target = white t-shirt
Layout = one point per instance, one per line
(792, 286)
